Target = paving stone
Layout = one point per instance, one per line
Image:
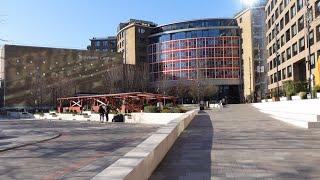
(83, 150)
(239, 142)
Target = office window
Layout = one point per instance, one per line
(270, 51)
(284, 74)
(311, 38)
(286, 2)
(288, 53)
(269, 24)
(279, 76)
(312, 60)
(282, 40)
(281, 7)
(301, 44)
(301, 23)
(317, 8)
(269, 38)
(271, 79)
(287, 18)
(294, 49)
(293, 11)
(294, 30)
(141, 31)
(272, 19)
(288, 36)
(289, 70)
(277, 13)
(278, 28)
(318, 33)
(299, 5)
(281, 23)
(283, 57)
(275, 79)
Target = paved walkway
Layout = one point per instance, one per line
(15, 138)
(80, 152)
(241, 143)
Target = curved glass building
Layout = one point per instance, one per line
(206, 50)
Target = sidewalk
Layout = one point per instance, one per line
(241, 143)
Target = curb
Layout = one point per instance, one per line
(139, 163)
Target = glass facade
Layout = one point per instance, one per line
(203, 49)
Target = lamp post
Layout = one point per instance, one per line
(250, 75)
(260, 71)
(308, 20)
(277, 59)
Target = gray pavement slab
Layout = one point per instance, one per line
(239, 142)
(81, 151)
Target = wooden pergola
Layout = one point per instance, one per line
(125, 102)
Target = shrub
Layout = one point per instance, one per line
(249, 98)
(174, 110)
(317, 88)
(169, 105)
(292, 88)
(303, 95)
(166, 111)
(274, 93)
(151, 109)
(289, 88)
(300, 87)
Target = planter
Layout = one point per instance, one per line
(269, 100)
(296, 98)
(318, 95)
(264, 100)
(275, 99)
(86, 116)
(284, 98)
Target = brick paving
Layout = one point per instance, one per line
(241, 143)
(82, 151)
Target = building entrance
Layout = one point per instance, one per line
(299, 70)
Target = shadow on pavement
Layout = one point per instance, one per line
(190, 156)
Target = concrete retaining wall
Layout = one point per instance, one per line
(20, 115)
(143, 118)
(299, 113)
(139, 163)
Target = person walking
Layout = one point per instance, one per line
(101, 112)
(108, 108)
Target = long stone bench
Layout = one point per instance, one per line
(139, 163)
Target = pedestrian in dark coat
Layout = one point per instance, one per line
(108, 108)
(101, 112)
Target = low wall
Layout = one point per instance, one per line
(20, 115)
(299, 113)
(139, 163)
(143, 118)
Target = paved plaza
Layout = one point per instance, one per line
(64, 149)
(241, 143)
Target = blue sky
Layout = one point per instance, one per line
(70, 23)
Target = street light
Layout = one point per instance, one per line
(308, 17)
(277, 59)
